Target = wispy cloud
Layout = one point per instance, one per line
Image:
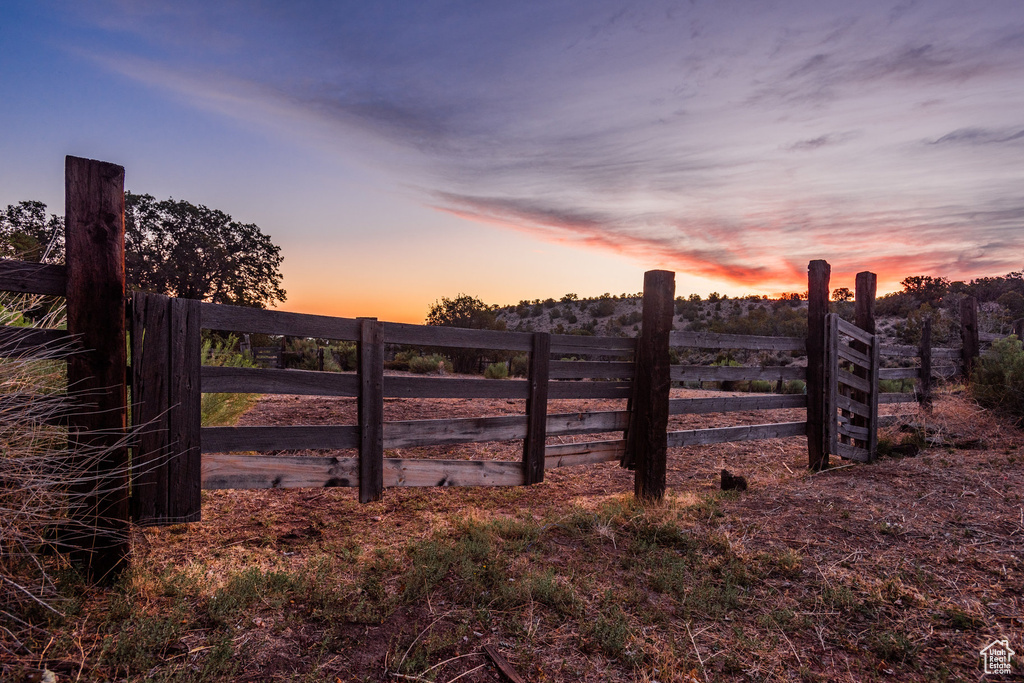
(728, 139)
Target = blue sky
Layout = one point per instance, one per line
(404, 151)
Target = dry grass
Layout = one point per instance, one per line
(899, 570)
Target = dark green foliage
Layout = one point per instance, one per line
(180, 249)
(468, 312)
(27, 233)
(998, 379)
(630, 318)
(603, 308)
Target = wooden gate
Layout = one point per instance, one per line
(851, 390)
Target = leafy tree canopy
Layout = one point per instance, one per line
(464, 311)
(27, 233)
(172, 247)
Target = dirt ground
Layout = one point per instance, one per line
(932, 544)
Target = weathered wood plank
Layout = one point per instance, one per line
(899, 351)
(851, 380)
(969, 333)
(701, 437)
(729, 404)
(925, 382)
(33, 278)
(856, 407)
(585, 453)
(292, 438)
(151, 362)
(571, 344)
(267, 381)
(818, 273)
(411, 433)
(872, 424)
(853, 356)
(897, 398)
(564, 424)
(223, 471)
(853, 431)
(452, 473)
(712, 340)
(722, 373)
(990, 336)
(849, 452)
(584, 389)
(94, 247)
(184, 465)
(899, 373)
(831, 373)
(537, 408)
(455, 337)
(370, 409)
(245, 319)
(442, 387)
(16, 341)
(591, 370)
(851, 330)
(947, 353)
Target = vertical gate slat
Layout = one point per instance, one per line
(831, 379)
(537, 409)
(873, 424)
(184, 467)
(924, 396)
(371, 410)
(150, 392)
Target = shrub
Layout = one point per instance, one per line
(760, 386)
(496, 371)
(998, 378)
(603, 308)
(795, 386)
(520, 365)
(424, 365)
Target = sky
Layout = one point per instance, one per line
(400, 152)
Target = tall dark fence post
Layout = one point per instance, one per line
(969, 333)
(818, 273)
(924, 396)
(647, 438)
(1018, 328)
(537, 408)
(864, 318)
(94, 223)
(370, 354)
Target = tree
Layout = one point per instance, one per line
(842, 294)
(177, 248)
(172, 247)
(469, 312)
(28, 234)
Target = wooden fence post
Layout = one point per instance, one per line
(924, 396)
(94, 224)
(818, 273)
(864, 318)
(647, 439)
(370, 354)
(969, 333)
(537, 408)
(1018, 328)
(184, 420)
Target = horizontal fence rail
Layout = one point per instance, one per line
(711, 340)
(33, 278)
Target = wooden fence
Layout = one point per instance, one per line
(173, 457)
